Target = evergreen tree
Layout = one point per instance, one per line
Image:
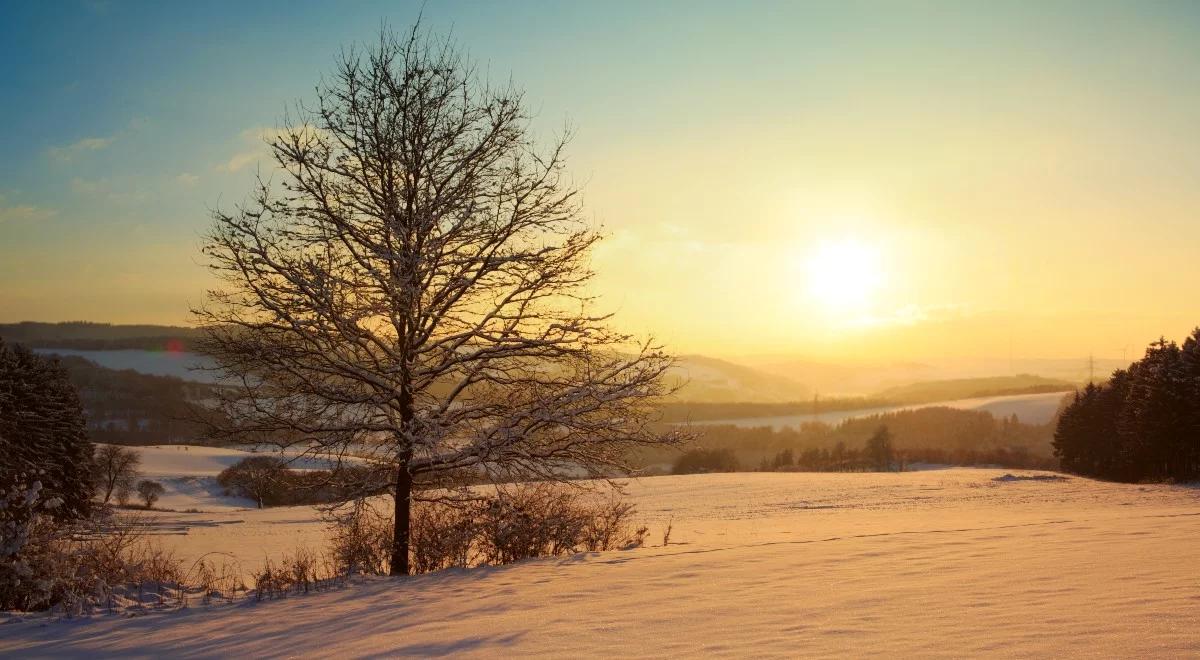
(1189, 360)
(1111, 461)
(879, 449)
(42, 434)
(1069, 436)
(1151, 422)
(1144, 423)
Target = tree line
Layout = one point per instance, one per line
(1141, 425)
(88, 336)
(926, 435)
(126, 407)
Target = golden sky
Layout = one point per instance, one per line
(841, 181)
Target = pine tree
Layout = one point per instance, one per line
(879, 448)
(1068, 435)
(42, 434)
(1144, 423)
(1189, 363)
(1152, 420)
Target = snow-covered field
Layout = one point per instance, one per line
(1029, 408)
(188, 472)
(949, 563)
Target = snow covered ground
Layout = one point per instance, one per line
(939, 563)
(1029, 408)
(189, 474)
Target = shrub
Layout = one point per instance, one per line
(299, 572)
(88, 565)
(362, 540)
(524, 521)
(213, 579)
(270, 482)
(124, 493)
(441, 536)
(260, 478)
(705, 460)
(150, 491)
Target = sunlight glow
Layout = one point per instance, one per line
(843, 275)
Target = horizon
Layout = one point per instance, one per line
(908, 183)
(789, 328)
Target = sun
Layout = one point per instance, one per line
(843, 275)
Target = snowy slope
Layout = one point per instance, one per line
(189, 474)
(947, 563)
(1029, 408)
(703, 378)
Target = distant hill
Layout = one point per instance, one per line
(718, 381)
(837, 380)
(703, 378)
(969, 388)
(87, 336)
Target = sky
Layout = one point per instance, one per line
(844, 181)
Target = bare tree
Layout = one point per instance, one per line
(116, 469)
(412, 291)
(150, 491)
(256, 477)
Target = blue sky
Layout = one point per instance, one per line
(972, 144)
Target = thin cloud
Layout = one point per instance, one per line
(106, 189)
(24, 212)
(241, 160)
(261, 139)
(72, 151)
(85, 186)
(187, 179)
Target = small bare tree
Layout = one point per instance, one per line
(413, 291)
(116, 470)
(256, 477)
(150, 491)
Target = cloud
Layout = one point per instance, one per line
(187, 179)
(105, 189)
(72, 151)
(85, 186)
(241, 160)
(23, 212)
(257, 142)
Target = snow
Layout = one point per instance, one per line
(189, 474)
(940, 563)
(1029, 408)
(180, 364)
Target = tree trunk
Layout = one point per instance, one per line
(399, 564)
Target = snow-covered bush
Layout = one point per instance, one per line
(522, 521)
(99, 563)
(539, 520)
(298, 572)
(18, 526)
(441, 536)
(361, 540)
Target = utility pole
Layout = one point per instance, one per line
(1091, 369)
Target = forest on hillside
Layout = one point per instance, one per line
(131, 408)
(88, 336)
(947, 435)
(1141, 425)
